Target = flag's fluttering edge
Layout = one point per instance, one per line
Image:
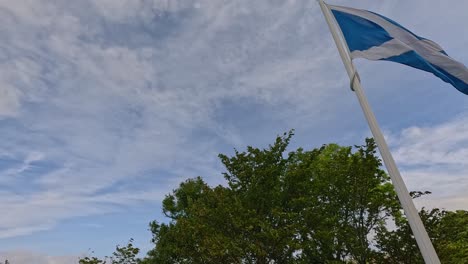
(375, 37)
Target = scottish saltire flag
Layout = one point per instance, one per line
(375, 37)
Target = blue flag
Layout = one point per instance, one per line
(375, 37)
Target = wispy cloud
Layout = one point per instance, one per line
(100, 94)
(435, 158)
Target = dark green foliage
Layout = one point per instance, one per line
(125, 255)
(448, 231)
(91, 260)
(122, 255)
(329, 205)
(314, 206)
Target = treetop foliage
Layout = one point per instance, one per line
(331, 204)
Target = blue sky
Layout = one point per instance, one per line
(107, 105)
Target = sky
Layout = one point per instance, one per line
(106, 106)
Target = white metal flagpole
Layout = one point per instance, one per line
(425, 246)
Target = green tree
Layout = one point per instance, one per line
(452, 237)
(91, 260)
(122, 255)
(448, 231)
(317, 206)
(126, 254)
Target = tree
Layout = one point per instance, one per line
(91, 260)
(126, 254)
(332, 204)
(451, 236)
(122, 255)
(448, 231)
(317, 206)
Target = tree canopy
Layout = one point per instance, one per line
(122, 255)
(301, 207)
(332, 204)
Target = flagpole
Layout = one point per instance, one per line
(422, 238)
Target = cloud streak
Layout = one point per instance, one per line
(435, 158)
(88, 111)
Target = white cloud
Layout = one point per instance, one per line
(441, 144)
(121, 11)
(9, 100)
(435, 158)
(103, 112)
